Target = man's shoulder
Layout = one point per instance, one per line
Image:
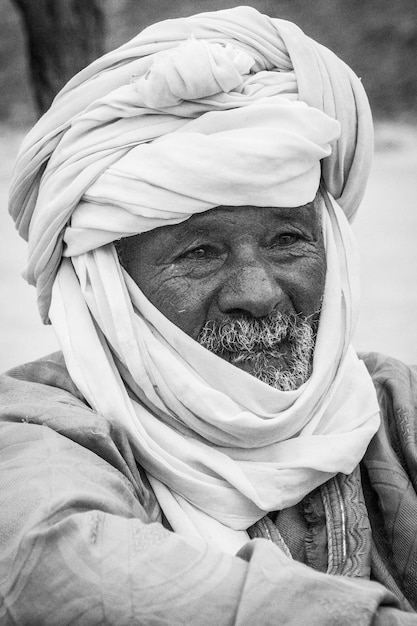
(39, 401)
(389, 473)
(382, 367)
(395, 444)
(41, 393)
(49, 372)
(395, 383)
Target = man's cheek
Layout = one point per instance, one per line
(181, 301)
(306, 286)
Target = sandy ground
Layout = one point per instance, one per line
(386, 230)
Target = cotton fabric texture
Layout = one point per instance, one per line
(96, 547)
(177, 122)
(97, 550)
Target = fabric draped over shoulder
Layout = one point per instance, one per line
(226, 108)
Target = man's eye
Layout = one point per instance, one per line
(199, 254)
(288, 238)
(285, 239)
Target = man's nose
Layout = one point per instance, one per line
(252, 288)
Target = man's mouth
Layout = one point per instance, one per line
(277, 349)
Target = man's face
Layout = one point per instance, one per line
(229, 276)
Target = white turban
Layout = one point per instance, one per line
(229, 108)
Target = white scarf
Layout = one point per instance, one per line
(220, 447)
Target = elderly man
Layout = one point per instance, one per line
(208, 448)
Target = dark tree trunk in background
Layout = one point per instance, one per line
(63, 36)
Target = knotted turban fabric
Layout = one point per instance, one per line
(227, 108)
(100, 115)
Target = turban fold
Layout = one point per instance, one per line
(102, 114)
(228, 108)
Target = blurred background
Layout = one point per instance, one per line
(44, 42)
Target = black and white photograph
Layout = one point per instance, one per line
(208, 260)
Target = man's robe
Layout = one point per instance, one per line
(83, 541)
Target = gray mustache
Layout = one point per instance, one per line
(276, 349)
(246, 334)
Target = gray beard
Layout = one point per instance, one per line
(277, 349)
